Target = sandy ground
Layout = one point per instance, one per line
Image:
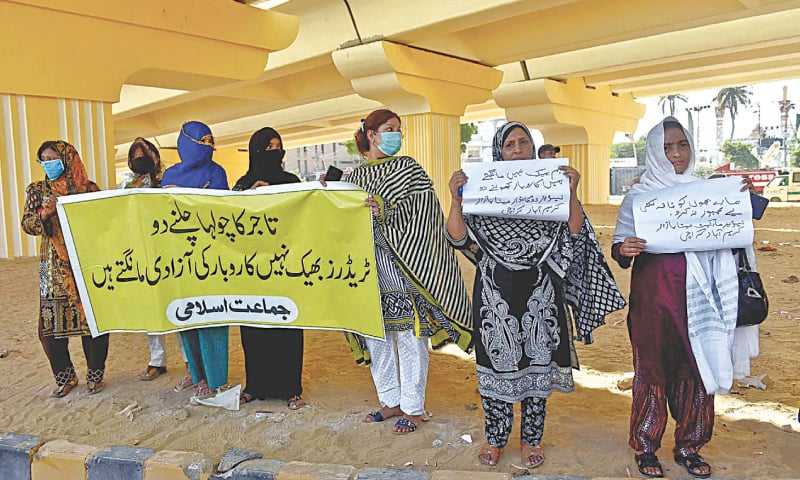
(756, 435)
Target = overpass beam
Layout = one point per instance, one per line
(67, 62)
(580, 119)
(430, 91)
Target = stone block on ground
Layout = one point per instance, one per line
(262, 469)
(175, 465)
(316, 471)
(119, 463)
(461, 475)
(391, 474)
(16, 453)
(61, 459)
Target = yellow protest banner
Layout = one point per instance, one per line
(299, 256)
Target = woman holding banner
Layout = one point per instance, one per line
(670, 295)
(273, 357)
(144, 164)
(61, 313)
(206, 348)
(533, 279)
(422, 292)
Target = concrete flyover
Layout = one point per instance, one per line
(571, 68)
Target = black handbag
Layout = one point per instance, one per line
(753, 301)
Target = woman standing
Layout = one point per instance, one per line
(206, 348)
(273, 357)
(144, 164)
(533, 279)
(677, 362)
(422, 292)
(61, 313)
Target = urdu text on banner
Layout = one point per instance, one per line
(532, 189)
(158, 261)
(697, 216)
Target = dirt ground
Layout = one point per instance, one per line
(756, 434)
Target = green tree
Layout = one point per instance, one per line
(350, 145)
(467, 131)
(671, 101)
(794, 152)
(740, 154)
(625, 150)
(731, 99)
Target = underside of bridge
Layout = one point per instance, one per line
(102, 73)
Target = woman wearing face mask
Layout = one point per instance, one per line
(533, 279)
(206, 348)
(273, 357)
(61, 313)
(422, 292)
(669, 319)
(145, 171)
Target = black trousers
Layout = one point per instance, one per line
(57, 351)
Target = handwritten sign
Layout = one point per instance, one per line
(158, 261)
(698, 216)
(533, 189)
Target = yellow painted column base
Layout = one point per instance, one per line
(434, 140)
(593, 162)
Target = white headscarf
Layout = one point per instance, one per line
(712, 287)
(659, 174)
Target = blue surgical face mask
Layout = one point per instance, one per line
(390, 142)
(53, 168)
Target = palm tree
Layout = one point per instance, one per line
(671, 100)
(731, 99)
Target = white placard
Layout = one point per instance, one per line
(698, 216)
(533, 189)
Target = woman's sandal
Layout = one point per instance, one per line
(245, 398)
(374, 417)
(296, 403)
(535, 457)
(693, 463)
(490, 456)
(404, 425)
(95, 387)
(184, 384)
(202, 390)
(649, 460)
(152, 373)
(63, 390)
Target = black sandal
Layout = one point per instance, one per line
(692, 463)
(649, 460)
(376, 417)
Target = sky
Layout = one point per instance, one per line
(765, 96)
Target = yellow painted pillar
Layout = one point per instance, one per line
(429, 91)
(581, 120)
(434, 140)
(26, 122)
(593, 161)
(63, 70)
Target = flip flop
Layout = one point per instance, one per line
(490, 456)
(405, 423)
(152, 373)
(296, 403)
(63, 390)
(184, 384)
(246, 398)
(376, 417)
(535, 457)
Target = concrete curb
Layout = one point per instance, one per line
(27, 457)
